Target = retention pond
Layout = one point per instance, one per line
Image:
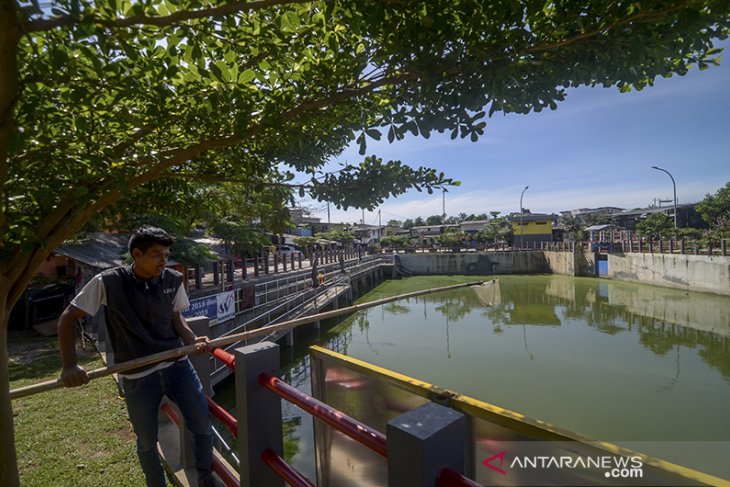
(640, 366)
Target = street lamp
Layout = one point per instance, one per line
(522, 212)
(674, 186)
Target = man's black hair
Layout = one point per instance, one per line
(146, 236)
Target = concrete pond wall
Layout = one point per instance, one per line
(699, 273)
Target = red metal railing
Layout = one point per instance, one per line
(223, 416)
(225, 475)
(353, 428)
(450, 478)
(225, 357)
(284, 470)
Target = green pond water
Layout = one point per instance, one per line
(613, 361)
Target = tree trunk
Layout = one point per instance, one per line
(8, 460)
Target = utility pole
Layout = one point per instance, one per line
(522, 212)
(443, 205)
(380, 226)
(674, 187)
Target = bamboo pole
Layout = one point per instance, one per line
(227, 340)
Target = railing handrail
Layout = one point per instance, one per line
(351, 427)
(222, 415)
(284, 470)
(218, 467)
(342, 422)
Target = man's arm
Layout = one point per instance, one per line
(72, 373)
(182, 329)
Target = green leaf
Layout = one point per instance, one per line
(246, 76)
(373, 133)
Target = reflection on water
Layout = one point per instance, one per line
(610, 360)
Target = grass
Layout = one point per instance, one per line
(69, 437)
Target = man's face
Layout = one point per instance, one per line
(151, 262)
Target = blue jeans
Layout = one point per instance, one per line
(143, 396)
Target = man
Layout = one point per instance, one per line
(143, 303)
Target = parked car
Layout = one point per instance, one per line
(287, 250)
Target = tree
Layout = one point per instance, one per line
(656, 226)
(345, 237)
(103, 101)
(453, 237)
(497, 230)
(573, 228)
(712, 208)
(395, 241)
(306, 243)
(435, 220)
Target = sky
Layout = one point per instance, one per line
(595, 150)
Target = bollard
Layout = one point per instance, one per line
(423, 441)
(258, 411)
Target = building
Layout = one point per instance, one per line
(584, 214)
(532, 228)
(687, 216)
(474, 226)
(368, 235)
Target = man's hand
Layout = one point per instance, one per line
(74, 376)
(202, 345)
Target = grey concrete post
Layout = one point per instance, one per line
(201, 327)
(423, 441)
(258, 413)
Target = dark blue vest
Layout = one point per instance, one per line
(139, 313)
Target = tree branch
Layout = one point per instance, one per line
(161, 21)
(645, 16)
(212, 178)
